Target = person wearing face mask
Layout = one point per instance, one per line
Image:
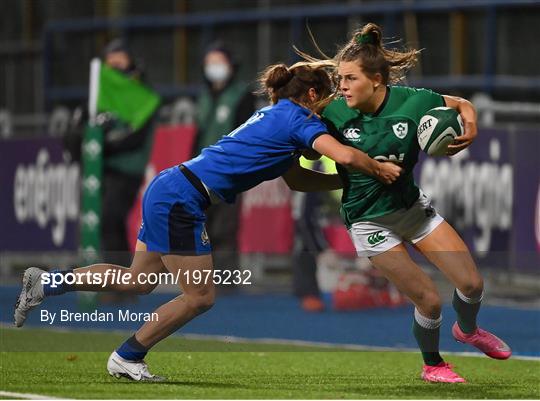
(224, 104)
(225, 101)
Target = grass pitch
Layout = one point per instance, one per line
(64, 366)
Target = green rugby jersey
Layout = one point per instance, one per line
(387, 134)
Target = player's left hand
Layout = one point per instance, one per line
(463, 141)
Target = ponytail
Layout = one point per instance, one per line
(367, 48)
(281, 82)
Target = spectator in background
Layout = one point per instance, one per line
(126, 153)
(224, 103)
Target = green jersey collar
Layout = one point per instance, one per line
(383, 104)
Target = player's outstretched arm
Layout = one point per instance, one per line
(350, 157)
(306, 180)
(468, 115)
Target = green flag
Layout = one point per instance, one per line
(128, 99)
(131, 102)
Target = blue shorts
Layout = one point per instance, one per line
(173, 219)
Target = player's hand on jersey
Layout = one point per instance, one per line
(388, 172)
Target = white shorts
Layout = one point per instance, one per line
(379, 234)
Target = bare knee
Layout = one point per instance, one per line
(429, 304)
(474, 287)
(200, 303)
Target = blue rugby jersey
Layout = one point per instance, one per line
(261, 149)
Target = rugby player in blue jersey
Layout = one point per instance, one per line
(172, 236)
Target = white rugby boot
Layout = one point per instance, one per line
(134, 370)
(31, 294)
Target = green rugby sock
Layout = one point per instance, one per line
(426, 332)
(467, 310)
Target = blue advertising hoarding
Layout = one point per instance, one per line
(489, 193)
(39, 207)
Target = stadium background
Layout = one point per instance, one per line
(485, 50)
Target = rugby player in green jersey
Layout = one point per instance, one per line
(173, 238)
(382, 120)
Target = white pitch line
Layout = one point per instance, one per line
(28, 396)
(279, 341)
(337, 346)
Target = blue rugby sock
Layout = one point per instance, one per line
(132, 350)
(58, 289)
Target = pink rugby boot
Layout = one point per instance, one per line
(441, 373)
(488, 343)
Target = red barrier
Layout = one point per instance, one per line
(339, 240)
(266, 223)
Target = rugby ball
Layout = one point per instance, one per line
(437, 129)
